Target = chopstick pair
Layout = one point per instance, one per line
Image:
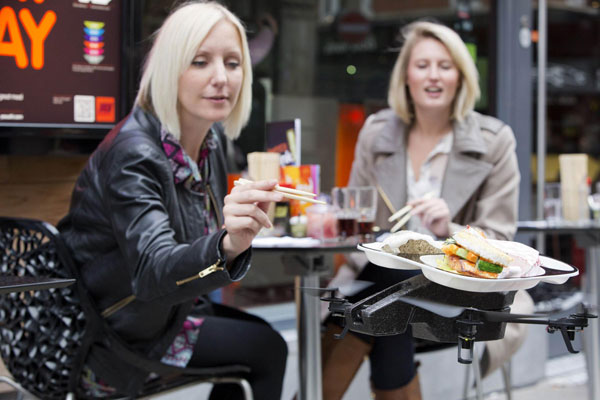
(293, 194)
(404, 214)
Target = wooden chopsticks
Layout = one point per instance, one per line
(385, 199)
(293, 194)
(395, 214)
(404, 214)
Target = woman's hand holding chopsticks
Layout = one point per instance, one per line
(434, 214)
(405, 213)
(245, 213)
(289, 193)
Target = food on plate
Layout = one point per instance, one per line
(411, 245)
(526, 260)
(468, 252)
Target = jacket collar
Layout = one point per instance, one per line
(467, 136)
(465, 170)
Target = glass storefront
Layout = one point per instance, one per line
(328, 63)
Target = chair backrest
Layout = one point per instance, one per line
(45, 335)
(40, 331)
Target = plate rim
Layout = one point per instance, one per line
(540, 278)
(416, 265)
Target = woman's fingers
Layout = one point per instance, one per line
(245, 212)
(249, 200)
(421, 207)
(431, 210)
(434, 214)
(256, 192)
(244, 225)
(249, 210)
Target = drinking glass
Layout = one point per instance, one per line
(345, 203)
(366, 205)
(321, 222)
(552, 202)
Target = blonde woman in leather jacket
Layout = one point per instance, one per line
(152, 228)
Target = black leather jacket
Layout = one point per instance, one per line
(133, 232)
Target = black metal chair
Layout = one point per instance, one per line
(44, 335)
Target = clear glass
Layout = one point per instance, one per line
(367, 209)
(552, 202)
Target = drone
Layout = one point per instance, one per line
(442, 314)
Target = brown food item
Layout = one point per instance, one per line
(414, 249)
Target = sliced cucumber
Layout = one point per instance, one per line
(488, 266)
(462, 253)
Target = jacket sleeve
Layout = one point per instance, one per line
(496, 207)
(134, 199)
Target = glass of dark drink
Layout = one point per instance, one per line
(344, 202)
(347, 227)
(366, 206)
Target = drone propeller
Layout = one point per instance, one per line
(499, 316)
(441, 309)
(452, 311)
(346, 290)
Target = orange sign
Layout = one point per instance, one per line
(37, 33)
(105, 109)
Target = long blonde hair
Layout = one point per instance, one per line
(174, 48)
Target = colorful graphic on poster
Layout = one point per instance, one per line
(93, 44)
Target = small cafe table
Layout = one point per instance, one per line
(306, 260)
(587, 235)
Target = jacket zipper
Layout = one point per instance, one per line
(216, 266)
(122, 303)
(206, 271)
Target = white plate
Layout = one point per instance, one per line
(556, 272)
(379, 257)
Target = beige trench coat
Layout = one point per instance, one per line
(480, 186)
(481, 182)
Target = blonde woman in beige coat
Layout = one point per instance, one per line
(456, 167)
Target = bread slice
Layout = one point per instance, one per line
(473, 241)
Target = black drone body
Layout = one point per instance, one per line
(442, 314)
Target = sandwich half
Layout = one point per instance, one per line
(469, 253)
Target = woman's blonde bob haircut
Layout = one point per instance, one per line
(171, 55)
(468, 91)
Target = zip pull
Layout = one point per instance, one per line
(206, 271)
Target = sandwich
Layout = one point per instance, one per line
(469, 253)
(411, 245)
(526, 260)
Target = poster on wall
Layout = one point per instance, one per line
(283, 137)
(60, 63)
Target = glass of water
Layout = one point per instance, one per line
(552, 202)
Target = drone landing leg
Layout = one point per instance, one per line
(568, 336)
(467, 331)
(465, 350)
